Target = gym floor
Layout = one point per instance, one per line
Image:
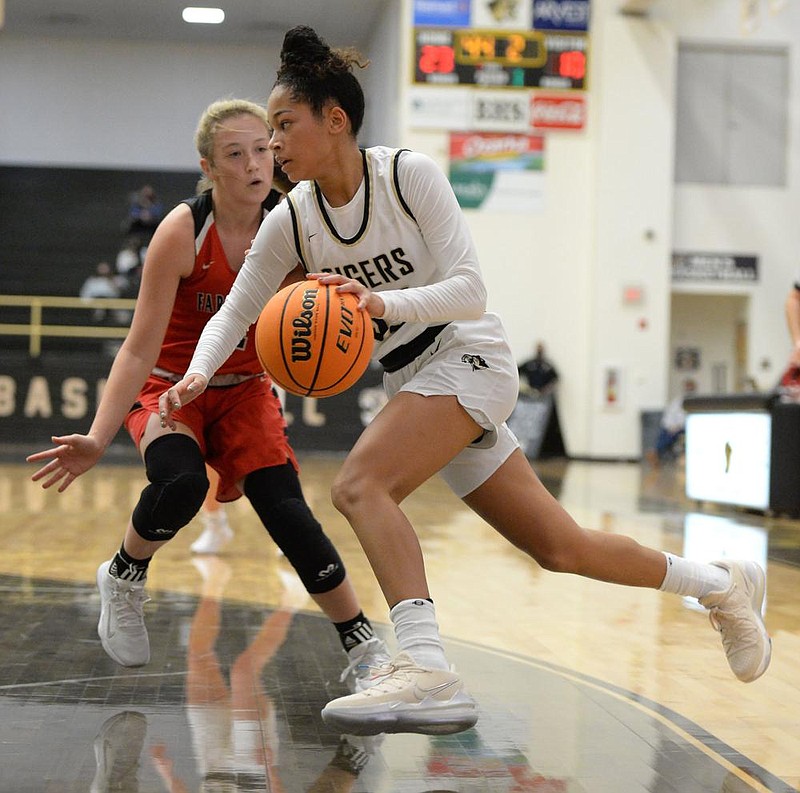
(582, 686)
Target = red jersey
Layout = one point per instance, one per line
(200, 296)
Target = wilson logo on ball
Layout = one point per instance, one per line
(301, 342)
(313, 340)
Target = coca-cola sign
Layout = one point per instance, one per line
(558, 112)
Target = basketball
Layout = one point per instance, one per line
(312, 340)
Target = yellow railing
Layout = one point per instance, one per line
(35, 329)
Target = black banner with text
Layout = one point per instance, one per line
(58, 394)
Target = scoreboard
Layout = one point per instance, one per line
(500, 59)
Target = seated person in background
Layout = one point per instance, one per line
(673, 426)
(128, 257)
(538, 375)
(102, 284)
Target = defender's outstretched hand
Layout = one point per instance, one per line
(175, 397)
(74, 455)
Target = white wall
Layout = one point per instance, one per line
(611, 215)
(749, 220)
(117, 103)
(379, 80)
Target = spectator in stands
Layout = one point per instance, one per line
(145, 213)
(538, 373)
(103, 283)
(129, 258)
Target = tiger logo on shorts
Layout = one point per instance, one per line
(475, 361)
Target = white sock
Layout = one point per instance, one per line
(695, 579)
(418, 633)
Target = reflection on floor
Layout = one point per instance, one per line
(582, 686)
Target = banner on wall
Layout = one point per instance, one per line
(502, 14)
(59, 393)
(477, 110)
(447, 13)
(497, 172)
(570, 15)
(731, 268)
(440, 108)
(500, 111)
(561, 15)
(557, 112)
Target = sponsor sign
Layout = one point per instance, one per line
(476, 110)
(505, 14)
(557, 112)
(499, 111)
(450, 13)
(440, 108)
(561, 14)
(497, 172)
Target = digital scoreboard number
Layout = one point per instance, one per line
(500, 59)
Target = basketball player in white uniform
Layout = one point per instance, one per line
(385, 225)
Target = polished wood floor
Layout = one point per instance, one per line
(582, 686)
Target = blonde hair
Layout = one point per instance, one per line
(211, 120)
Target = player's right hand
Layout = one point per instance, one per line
(175, 397)
(72, 456)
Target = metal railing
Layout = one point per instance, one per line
(36, 329)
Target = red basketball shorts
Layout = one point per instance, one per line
(240, 428)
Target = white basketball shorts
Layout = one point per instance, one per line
(472, 361)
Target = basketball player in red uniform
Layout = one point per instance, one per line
(237, 427)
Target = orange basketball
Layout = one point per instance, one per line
(313, 340)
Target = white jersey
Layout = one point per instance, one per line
(403, 234)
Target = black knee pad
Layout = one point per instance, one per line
(178, 486)
(277, 498)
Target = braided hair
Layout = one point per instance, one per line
(316, 74)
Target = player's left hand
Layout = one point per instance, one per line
(72, 456)
(369, 301)
(175, 397)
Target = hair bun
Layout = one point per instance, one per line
(302, 47)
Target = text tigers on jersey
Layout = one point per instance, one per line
(381, 269)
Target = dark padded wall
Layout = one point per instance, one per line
(56, 224)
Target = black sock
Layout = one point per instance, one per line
(124, 566)
(354, 631)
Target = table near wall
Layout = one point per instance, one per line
(744, 450)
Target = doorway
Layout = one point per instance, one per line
(708, 342)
